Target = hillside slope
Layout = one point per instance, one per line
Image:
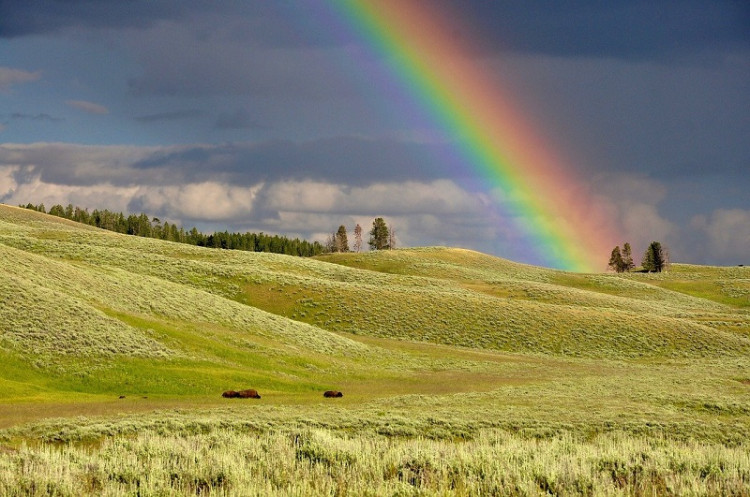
(93, 312)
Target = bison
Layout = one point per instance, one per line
(248, 394)
(333, 393)
(242, 394)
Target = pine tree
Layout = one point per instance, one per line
(139, 225)
(379, 235)
(57, 210)
(653, 258)
(357, 238)
(627, 258)
(647, 262)
(615, 260)
(341, 241)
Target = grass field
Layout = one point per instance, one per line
(462, 373)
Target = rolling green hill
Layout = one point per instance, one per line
(89, 311)
(425, 342)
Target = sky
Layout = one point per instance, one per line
(285, 117)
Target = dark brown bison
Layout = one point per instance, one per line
(333, 393)
(248, 394)
(230, 394)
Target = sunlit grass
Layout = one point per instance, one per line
(324, 462)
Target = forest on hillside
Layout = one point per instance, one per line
(142, 225)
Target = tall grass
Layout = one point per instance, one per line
(326, 462)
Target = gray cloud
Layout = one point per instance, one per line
(349, 160)
(725, 234)
(36, 117)
(239, 119)
(46, 16)
(633, 30)
(74, 165)
(341, 159)
(620, 29)
(254, 22)
(178, 115)
(222, 65)
(637, 116)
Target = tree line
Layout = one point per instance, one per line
(382, 237)
(655, 259)
(142, 225)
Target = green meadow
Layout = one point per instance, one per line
(462, 373)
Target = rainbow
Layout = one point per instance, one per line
(555, 215)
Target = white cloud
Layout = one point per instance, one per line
(632, 203)
(34, 190)
(643, 224)
(89, 107)
(437, 212)
(614, 209)
(7, 181)
(436, 197)
(207, 201)
(433, 213)
(727, 235)
(10, 77)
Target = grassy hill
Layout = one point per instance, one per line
(97, 312)
(437, 342)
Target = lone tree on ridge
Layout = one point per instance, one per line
(627, 257)
(615, 260)
(340, 240)
(379, 235)
(654, 259)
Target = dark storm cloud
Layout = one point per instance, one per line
(620, 29)
(178, 115)
(35, 117)
(28, 17)
(346, 160)
(239, 119)
(349, 160)
(656, 91)
(256, 22)
(221, 66)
